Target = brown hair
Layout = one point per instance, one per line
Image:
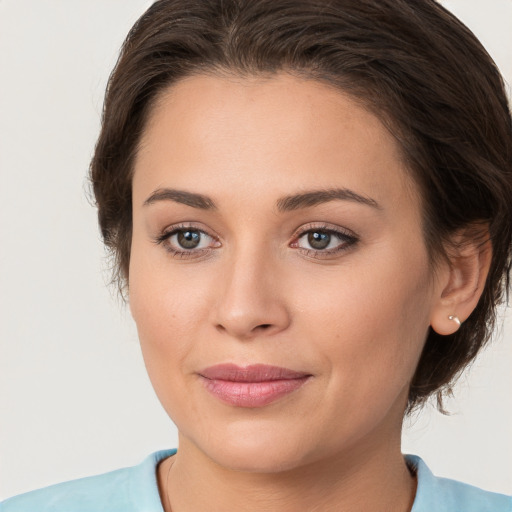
(409, 61)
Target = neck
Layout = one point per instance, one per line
(359, 479)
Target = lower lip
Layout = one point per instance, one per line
(252, 394)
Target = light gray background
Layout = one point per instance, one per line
(74, 396)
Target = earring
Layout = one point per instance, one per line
(455, 319)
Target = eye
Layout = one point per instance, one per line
(318, 240)
(187, 241)
(323, 241)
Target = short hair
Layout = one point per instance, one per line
(410, 62)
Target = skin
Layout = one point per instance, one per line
(355, 320)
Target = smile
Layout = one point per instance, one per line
(251, 386)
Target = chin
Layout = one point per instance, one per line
(255, 458)
(252, 448)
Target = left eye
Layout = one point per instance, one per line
(320, 240)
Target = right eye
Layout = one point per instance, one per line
(189, 239)
(186, 241)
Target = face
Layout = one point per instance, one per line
(278, 278)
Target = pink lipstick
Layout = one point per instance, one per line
(251, 386)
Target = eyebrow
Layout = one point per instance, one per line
(315, 197)
(181, 196)
(288, 203)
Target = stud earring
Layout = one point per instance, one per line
(455, 319)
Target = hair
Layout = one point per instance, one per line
(410, 62)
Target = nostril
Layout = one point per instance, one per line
(263, 326)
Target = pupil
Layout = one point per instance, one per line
(188, 239)
(319, 240)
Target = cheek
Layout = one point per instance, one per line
(166, 318)
(371, 329)
(165, 313)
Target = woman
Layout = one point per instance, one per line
(309, 206)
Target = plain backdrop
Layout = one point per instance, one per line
(74, 396)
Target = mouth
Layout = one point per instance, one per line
(251, 386)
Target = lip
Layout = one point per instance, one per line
(251, 386)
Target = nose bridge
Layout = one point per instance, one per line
(249, 302)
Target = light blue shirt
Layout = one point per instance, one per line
(135, 489)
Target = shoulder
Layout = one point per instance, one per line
(127, 490)
(445, 495)
(96, 493)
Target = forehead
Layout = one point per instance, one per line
(266, 135)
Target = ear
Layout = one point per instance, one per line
(462, 279)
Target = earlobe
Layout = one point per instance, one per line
(456, 319)
(449, 324)
(466, 273)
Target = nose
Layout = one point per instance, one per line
(250, 299)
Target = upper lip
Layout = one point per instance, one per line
(251, 373)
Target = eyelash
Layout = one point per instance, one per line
(347, 240)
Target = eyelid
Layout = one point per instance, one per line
(323, 226)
